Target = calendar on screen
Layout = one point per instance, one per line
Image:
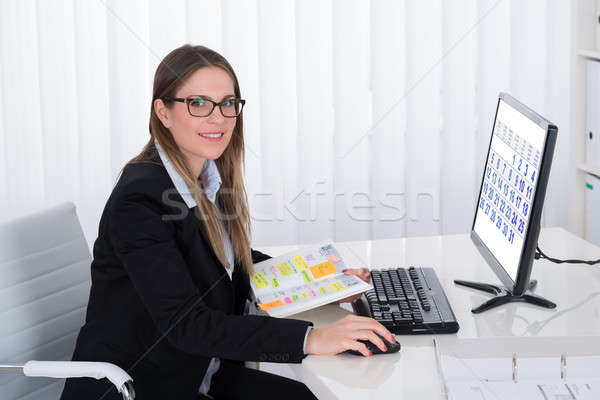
(509, 184)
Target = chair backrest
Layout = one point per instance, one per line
(44, 289)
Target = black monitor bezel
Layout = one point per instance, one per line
(519, 286)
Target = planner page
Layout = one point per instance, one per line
(303, 279)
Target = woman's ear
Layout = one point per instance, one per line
(162, 112)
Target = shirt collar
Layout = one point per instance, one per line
(209, 176)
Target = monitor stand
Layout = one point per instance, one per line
(504, 296)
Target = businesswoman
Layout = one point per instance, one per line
(170, 275)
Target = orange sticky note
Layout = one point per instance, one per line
(323, 269)
(272, 304)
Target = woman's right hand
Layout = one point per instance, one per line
(344, 334)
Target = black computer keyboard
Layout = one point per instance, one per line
(408, 301)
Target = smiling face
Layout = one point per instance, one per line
(200, 138)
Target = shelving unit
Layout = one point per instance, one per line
(591, 167)
(585, 38)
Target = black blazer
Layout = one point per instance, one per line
(161, 304)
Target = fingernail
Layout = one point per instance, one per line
(344, 270)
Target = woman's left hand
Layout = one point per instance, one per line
(362, 273)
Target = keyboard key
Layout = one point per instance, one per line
(386, 321)
(403, 321)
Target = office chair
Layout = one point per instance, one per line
(44, 289)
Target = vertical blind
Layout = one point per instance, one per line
(364, 119)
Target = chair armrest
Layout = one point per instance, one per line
(78, 369)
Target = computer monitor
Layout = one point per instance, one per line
(506, 225)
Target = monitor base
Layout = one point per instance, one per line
(503, 296)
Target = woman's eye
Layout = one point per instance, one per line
(227, 103)
(197, 103)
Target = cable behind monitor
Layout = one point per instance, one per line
(541, 255)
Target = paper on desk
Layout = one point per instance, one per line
(477, 390)
(537, 378)
(500, 369)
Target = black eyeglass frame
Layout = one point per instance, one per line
(189, 99)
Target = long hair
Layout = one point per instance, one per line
(171, 74)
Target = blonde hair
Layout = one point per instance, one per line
(170, 75)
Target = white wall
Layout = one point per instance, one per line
(363, 119)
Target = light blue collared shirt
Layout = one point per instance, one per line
(211, 181)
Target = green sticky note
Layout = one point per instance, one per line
(589, 186)
(306, 276)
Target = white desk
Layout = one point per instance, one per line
(412, 373)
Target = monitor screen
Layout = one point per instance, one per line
(508, 189)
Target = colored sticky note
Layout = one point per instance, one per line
(275, 282)
(313, 293)
(323, 269)
(306, 276)
(333, 258)
(295, 297)
(285, 268)
(304, 295)
(323, 290)
(299, 263)
(287, 300)
(337, 286)
(270, 305)
(260, 280)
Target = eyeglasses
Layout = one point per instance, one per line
(201, 107)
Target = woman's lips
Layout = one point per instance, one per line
(212, 136)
